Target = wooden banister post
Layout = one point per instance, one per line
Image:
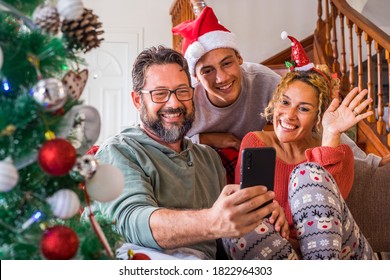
(351, 56)
(370, 87)
(380, 125)
(328, 45)
(359, 32)
(320, 22)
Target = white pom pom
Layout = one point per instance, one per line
(64, 203)
(107, 183)
(9, 175)
(284, 35)
(195, 50)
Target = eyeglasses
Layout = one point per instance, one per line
(163, 95)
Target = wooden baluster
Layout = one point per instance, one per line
(181, 10)
(380, 125)
(371, 107)
(320, 22)
(335, 54)
(175, 18)
(328, 46)
(387, 53)
(190, 11)
(351, 57)
(360, 58)
(343, 69)
(319, 14)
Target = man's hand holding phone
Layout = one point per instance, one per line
(258, 169)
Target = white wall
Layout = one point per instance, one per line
(150, 15)
(257, 23)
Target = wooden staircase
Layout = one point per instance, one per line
(340, 35)
(339, 39)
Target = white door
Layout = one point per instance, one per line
(109, 82)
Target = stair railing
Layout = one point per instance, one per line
(343, 24)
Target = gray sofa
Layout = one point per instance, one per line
(369, 202)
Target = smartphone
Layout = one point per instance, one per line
(258, 168)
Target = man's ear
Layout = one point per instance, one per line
(239, 57)
(136, 99)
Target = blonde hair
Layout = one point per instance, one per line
(319, 78)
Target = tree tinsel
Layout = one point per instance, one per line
(25, 6)
(30, 55)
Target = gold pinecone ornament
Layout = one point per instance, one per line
(47, 18)
(83, 33)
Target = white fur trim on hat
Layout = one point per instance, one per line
(305, 67)
(208, 42)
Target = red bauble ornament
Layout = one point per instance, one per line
(140, 256)
(57, 157)
(59, 243)
(136, 256)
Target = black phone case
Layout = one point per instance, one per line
(258, 167)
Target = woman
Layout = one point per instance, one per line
(313, 171)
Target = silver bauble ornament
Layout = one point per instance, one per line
(70, 9)
(81, 127)
(64, 203)
(50, 93)
(86, 166)
(9, 175)
(107, 183)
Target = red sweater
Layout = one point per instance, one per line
(338, 161)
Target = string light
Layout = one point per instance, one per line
(6, 86)
(35, 217)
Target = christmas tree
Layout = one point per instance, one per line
(46, 178)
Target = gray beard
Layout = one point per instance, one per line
(173, 134)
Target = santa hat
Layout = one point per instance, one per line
(203, 35)
(298, 55)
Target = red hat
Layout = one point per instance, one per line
(203, 35)
(298, 54)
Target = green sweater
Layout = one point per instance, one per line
(158, 177)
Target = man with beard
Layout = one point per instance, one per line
(175, 200)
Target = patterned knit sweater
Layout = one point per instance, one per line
(338, 161)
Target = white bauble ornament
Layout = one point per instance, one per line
(1, 57)
(107, 183)
(64, 203)
(9, 175)
(70, 9)
(47, 18)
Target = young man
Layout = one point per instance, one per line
(230, 93)
(175, 199)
